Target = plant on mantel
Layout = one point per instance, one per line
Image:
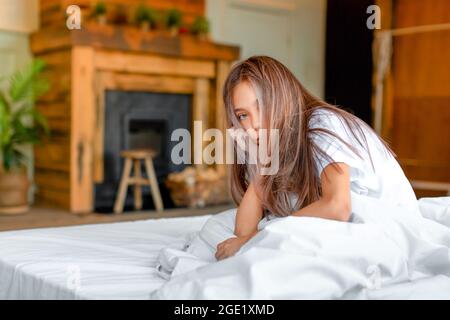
(149, 19)
(145, 18)
(21, 125)
(99, 12)
(200, 27)
(173, 21)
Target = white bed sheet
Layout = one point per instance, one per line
(102, 261)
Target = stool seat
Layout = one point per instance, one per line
(134, 158)
(139, 153)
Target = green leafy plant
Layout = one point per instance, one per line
(20, 122)
(173, 18)
(200, 26)
(99, 9)
(144, 14)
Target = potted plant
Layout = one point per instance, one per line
(20, 125)
(200, 27)
(145, 17)
(173, 21)
(99, 12)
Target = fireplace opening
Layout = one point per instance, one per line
(147, 134)
(140, 120)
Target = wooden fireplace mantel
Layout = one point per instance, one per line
(126, 38)
(82, 65)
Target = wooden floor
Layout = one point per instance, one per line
(47, 217)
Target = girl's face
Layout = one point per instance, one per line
(246, 108)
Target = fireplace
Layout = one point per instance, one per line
(142, 76)
(145, 133)
(135, 120)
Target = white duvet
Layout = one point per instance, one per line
(388, 252)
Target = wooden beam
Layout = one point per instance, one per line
(82, 130)
(223, 68)
(200, 112)
(45, 41)
(130, 39)
(101, 80)
(151, 64)
(386, 7)
(150, 83)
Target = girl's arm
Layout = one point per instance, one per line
(335, 203)
(248, 216)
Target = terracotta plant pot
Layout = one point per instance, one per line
(13, 193)
(145, 26)
(173, 31)
(101, 19)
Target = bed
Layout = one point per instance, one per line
(102, 261)
(388, 254)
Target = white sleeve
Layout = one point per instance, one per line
(336, 149)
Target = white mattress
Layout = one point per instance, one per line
(119, 260)
(103, 261)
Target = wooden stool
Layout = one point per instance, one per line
(136, 156)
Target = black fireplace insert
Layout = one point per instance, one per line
(138, 120)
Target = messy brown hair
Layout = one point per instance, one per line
(288, 107)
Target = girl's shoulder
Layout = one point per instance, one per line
(322, 118)
(347, 134)
(331, 130)
(321, 112)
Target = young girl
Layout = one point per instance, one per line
(324, 153)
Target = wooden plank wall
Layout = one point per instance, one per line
(52, 157)
(420, 128)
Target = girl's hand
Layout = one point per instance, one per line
(229, 247)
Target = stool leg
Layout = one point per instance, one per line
(156, 194)
(137, 186)
(120, 200)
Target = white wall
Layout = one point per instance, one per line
(292, 31)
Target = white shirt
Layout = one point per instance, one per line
(385, 180)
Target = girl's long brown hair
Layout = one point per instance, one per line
(287, 106)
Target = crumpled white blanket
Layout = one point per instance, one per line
(387, 252)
